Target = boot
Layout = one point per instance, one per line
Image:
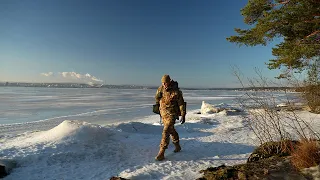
(160, 155)
(178, 147)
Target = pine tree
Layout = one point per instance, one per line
(296, 22)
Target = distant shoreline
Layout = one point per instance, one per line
(80, 85)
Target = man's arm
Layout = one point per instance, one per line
(181, 104)
(158, 95)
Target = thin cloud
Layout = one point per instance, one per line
(47, 74)
(83, 77)
(75, 77)
(71, 75)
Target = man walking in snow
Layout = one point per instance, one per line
(170, 98)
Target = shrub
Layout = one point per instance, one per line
(270, 149)
(267, 121)
(311, 93)
(307, 154)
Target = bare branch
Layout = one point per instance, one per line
(280, 3)
(315, 32)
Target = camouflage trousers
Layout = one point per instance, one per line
(168, 130)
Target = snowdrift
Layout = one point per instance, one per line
(207, 108)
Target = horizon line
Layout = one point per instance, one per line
(149, 86)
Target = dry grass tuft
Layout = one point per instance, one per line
(307, 154)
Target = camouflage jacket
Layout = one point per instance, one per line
(170, 100)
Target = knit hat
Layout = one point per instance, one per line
(165, 78)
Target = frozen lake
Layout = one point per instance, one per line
(99, 106)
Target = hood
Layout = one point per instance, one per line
(174, 85)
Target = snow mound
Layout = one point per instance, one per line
(282, 105)
(75, 130)
(68, 151)
(66, 132)
(207, 108)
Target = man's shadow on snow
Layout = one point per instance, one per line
(193, 129)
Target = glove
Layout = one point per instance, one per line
(183, 119)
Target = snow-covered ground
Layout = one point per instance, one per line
(79, 150)
(76, 149)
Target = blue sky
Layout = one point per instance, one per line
(125, 42)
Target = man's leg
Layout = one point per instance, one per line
(175, 139)
(165, 138)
